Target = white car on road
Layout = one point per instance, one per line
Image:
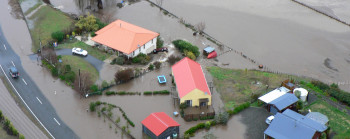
(79, 51)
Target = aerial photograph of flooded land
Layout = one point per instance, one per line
(175, 69)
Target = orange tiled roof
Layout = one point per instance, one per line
(123, 36)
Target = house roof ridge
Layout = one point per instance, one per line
(154, 114)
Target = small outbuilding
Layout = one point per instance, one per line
(160, 126)
(292, 125)
(279, 100)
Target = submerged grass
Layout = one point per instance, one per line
(46, 21)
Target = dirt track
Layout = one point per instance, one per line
(12, 111)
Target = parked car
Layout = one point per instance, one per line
(163, 49)
(79, 51)
(13, 72)
(269, 119)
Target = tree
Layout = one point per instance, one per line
(49, 54)
(123, 75)
(159, 3)
(200, 27)
(173, 59)
(87, 23)
(222, 118)
(190, 55)
(160, 42)
(82, 85)
(58, 36)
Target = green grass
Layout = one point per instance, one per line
(46, 21)
(236, 86)
(339, 122)
(77, 63)
(92, 51)
(4, 135)
(32, 8)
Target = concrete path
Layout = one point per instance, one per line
(21, 122)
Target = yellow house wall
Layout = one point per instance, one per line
(195, 95)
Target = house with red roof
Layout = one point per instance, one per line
(126, 39)
(191, 84)
(159, 125)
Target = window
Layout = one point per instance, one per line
(139, 49)
(133, 53)
(144, 46)
(188, 103)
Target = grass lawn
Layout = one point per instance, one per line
(32, 8)
(92, 51)
(4, 135)
(77, 63)
(237, 86)
(339, 122)
(46, 21)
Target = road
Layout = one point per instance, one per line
(31, 95)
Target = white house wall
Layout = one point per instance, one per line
(146, 49)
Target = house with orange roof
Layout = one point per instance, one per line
(126, 39)
(159, 125)
(191, 84)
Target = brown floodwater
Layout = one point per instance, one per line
(281, 35)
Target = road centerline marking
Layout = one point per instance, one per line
(39, 100)
(24, 81)
(56, 121)
(13, 64)
(26, 103)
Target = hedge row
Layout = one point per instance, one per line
(11, 130)
(208, 124)
(162, 92)
(186, 46)
(332, 90)
(239, 108)
(108, 93)
(126, 117)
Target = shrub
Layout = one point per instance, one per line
(58, 36)
(157, 64)
(92, 106)
(300, 105)
(67, 68)
(207, 125)
(239, 108)
(104, 84)
(141, 59)
(110, 93)
(160, 42)
(147, 93)
(118, 60)
(173, 59)
(183, 45)
(124, 75)
(222, 118)
(190, 55)
(54, 72)
(94, 88)
(93, 34)
(320, 85)
(151, 67)
(164, 92)
(21, 136)
(70, 76)
(100, 24)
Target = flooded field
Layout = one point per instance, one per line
(277, 33)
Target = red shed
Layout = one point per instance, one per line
(160, 126)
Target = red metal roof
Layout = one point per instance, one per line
(188, 76)
(158, 122)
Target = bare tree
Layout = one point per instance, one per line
(159, 3)
(200, 27)
(124, 75)
(49, 54)
(107, 17)
(82, 85)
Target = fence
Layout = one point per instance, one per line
(190, 117)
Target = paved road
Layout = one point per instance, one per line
(28, 92)
(17, 117)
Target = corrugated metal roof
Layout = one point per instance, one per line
(305, 120)
(284, 101)
(318, 117)
(284, 127)
(158, 122)
(267, 98)
(209, 49)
